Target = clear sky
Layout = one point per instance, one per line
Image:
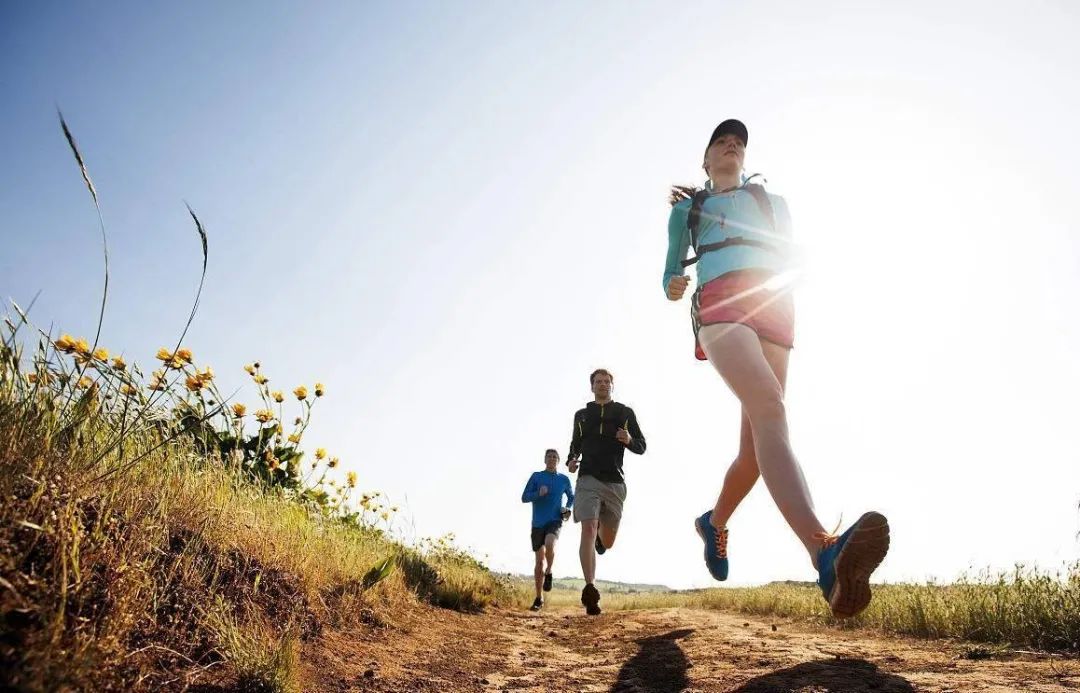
(452, 213)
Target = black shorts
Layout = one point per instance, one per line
(539, 534)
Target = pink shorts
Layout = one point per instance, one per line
(740, 297)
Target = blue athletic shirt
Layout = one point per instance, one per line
(547, 508)
(726, 215)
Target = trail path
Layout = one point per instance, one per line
(659, 650)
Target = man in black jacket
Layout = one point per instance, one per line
(602, 431)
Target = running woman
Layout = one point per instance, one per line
(743, 321)
(545, 490)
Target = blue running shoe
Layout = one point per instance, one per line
(715, 546)
(845, 564)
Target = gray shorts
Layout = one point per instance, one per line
(599, 499)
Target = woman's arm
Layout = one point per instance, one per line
(678, 242)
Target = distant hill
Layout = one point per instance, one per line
(577, 584)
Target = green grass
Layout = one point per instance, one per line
(149, 540)
(177, 567)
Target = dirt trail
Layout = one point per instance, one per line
(659, 650)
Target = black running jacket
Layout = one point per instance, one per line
(594, 439)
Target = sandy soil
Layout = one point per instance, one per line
(659, 650)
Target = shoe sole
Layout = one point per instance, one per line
(863, 552)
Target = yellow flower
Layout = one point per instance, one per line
(82, 346)
(193, 383)
(239, 410)
(351, 479)
(250, 369)
(264, 415)
(66, 343)
(129, 390)
(301, 393)
(176, 363)
(119, 363)
(85, 382)
(157, 380)
(163, 354)
(261, 379)
(332, 463)
(320, 453)
(319, 389)
(385, 516)
(184, 354)
(278, 397)
(101, 354)
(207, 374)
(294, 438)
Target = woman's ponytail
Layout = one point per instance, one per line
(680, 193)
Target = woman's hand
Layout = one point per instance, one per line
(676, 287)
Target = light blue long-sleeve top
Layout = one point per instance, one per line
(723, 216)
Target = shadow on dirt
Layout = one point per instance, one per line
(659, 666)
(832, 676)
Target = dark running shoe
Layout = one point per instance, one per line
(538, 603)
(547, 582)
(845, 563)
(716, 559)
(600, 548)
(590, 597)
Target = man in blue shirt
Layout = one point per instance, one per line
(545, 491)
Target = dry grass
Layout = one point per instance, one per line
(157, 573)
(147, 545)
(1025, 608)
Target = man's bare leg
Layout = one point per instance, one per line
(538, 572)
(587, 550)
(607, 535)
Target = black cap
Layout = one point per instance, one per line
(730, 127)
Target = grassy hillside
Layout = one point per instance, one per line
(576, 584)
(156, 535)
(156, 561)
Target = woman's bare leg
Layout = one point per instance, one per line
(740, 478)
(740, 358)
